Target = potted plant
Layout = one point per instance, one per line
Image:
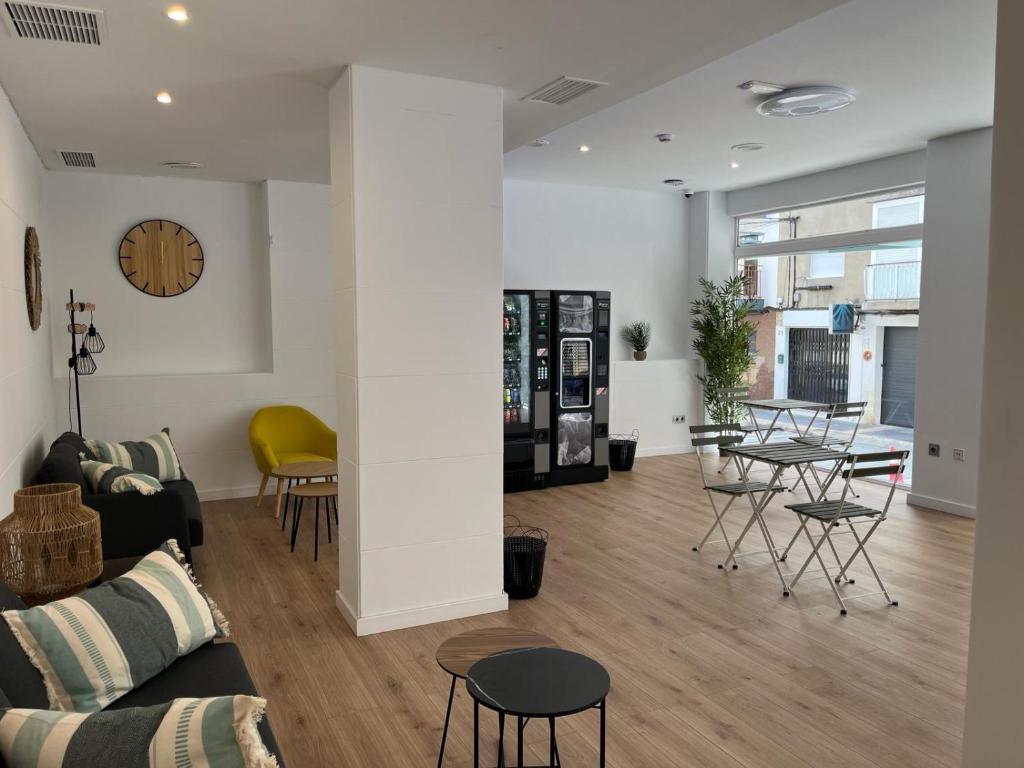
(638, 336)
(722, 340)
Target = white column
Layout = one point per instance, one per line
(416, 168)
(995, 676)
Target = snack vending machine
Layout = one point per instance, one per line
(525, 395)
(580, 362)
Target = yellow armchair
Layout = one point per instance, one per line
(286, 434)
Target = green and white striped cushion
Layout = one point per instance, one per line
(153, 456)
(109, 478)
(94, 648)
(185, 733)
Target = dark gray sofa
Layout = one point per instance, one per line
(215, 669)
(132, 525)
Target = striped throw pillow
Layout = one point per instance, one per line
(153, 456)
(109, 478)
(94, 648)
(185, 733)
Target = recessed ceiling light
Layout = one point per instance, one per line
(164, 97)
(734, 164)
(749, 146)
(177, 13)
(584, 148)
(539, 143)
(182, 164)
(674, 182)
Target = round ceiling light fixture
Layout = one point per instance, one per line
(806, 101)
(584, 148)
(164, 97)
(748, 146)
(539, 143)
(186, 165)
(676, 183)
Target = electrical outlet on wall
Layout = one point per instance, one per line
(933, 449)
(680, 419)
(959, 454)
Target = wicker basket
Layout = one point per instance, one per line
(50, 545)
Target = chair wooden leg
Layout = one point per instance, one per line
(277, 499)
(259, 493)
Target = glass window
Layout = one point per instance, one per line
(885, 209)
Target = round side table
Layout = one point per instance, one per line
(536, 683)
(296, 473)
(328, 492)
(457, 654)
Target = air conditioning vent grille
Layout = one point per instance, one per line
(55, 23)
(563, 90)
(78, 159)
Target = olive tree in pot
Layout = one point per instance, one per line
(722, 340)
(638, 336)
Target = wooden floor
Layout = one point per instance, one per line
(709, 668)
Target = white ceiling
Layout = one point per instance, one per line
(249, 77)
(920, 69)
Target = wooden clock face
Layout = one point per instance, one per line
(161, 258)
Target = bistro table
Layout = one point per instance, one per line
(779, 457)
(779, 407)
(297, 472)
(537, 683)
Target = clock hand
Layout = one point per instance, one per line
(161, 252)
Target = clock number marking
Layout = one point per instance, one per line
(194, 275)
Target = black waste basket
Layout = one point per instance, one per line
(524, 547)
(622, 451)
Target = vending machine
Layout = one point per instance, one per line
(580, 360)
(555, 387)
(526, 383)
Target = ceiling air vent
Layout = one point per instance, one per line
(563, 90)
(185, 165)
(56, 23)
(78, 159)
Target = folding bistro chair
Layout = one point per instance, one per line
(836, 439)
(831, 515)
(720, 435)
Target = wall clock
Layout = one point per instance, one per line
(161, 258)
(33, 279)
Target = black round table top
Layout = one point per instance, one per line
(538, 682)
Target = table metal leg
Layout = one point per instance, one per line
(447, 718)
(501, 740)
(476, 734)
(295, 523)
(519, 742)
(604, 706)
(551, 746)
(327, 517)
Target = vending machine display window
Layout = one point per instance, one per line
(576, 313)
(575, 438)
(574, 379)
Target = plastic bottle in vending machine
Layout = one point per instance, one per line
(508, 415)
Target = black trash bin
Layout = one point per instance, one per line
(622, 451)
(524, 547)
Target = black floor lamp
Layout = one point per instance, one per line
(81, 362)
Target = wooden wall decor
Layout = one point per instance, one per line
(161, 258)
(33, 278)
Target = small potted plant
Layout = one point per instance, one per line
(638, 336)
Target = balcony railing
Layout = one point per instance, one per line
(895, 281)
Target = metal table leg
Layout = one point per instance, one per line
(476, 734)
(447, 718)
(604, 706)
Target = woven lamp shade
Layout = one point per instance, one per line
(50, 545)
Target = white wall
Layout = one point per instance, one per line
(995, 671)
(219, 326)
(209, 412)
(951, 333)
(629, 242)
(417, 226)
(633, 244)
(26, 420)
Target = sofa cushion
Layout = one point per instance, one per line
(154, 456)
(110, 478)
(61, 465)
(186, 733)
(211, 670)
(18, 678)
(95, 647)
